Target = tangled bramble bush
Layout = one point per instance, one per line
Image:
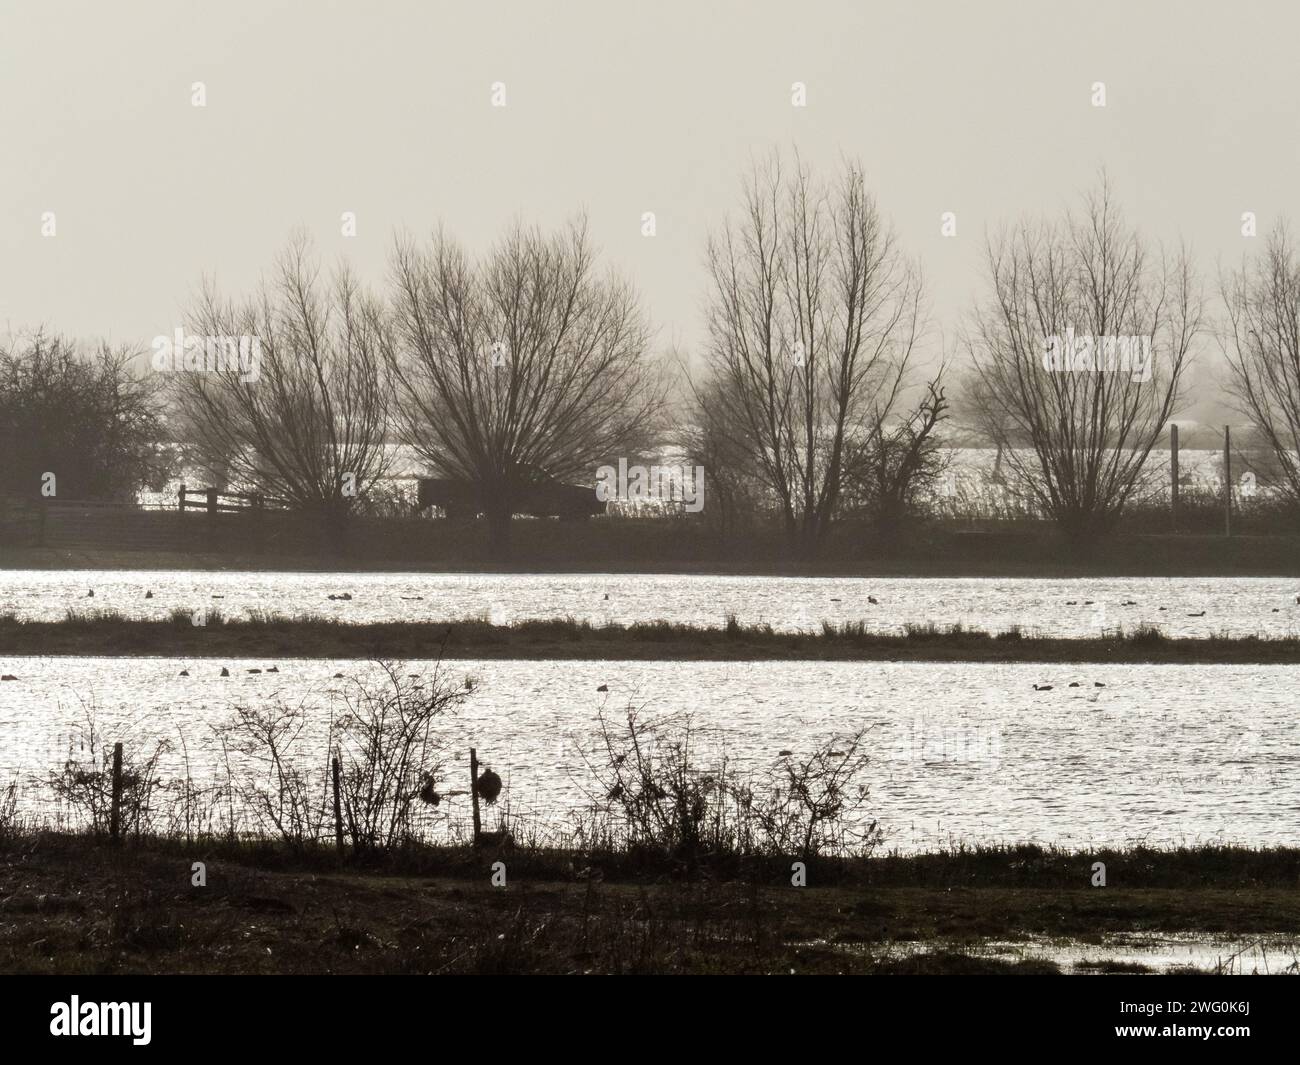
(84, 783)
(389, 757)
(651, 790)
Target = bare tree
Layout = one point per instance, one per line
(890, 474)
(1262, 344)
(813, 316)
(305, 420)
(1081, 349)
(523, 367)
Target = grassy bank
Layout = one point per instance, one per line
(108, 633)
(681, 547)
(70, 904)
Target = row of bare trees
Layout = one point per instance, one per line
(526, 365)
(532, 364)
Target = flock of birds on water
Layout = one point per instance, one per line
(346, 597)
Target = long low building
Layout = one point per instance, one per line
(461, 499)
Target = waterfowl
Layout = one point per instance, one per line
(253, 671)
(1098, 684)
(1042, 687)
(1200, 615)
(8, 676)
(338, 676)
(872, 600)
(1074, 684)
(90, 594)
(603, 688)
(148, 594)
(274, 669)
(225, 672)
(184, 673)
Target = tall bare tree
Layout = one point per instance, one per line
(522, 367)
(1262, 344)
(305, 420)
(1081, 349)
(813, 316)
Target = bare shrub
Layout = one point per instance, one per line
(389, 752)
(286, 793)
(651, 789)
(84, 783)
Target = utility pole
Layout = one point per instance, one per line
(1227, 480)
(1173, 476)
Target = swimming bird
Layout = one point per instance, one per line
(8, 676)
(1098, 684)
(274, 669)
(872, 600)
(1200, 615)
(1072, 602)
(148, 595)
(603, 688)
(225, 672)
(184, 673)
(338, 676)
(90, 594)
(1042, 687)
(254, 671)
(1074, 684)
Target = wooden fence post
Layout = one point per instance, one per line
(473, 792)
(115, 809)
(338, 809)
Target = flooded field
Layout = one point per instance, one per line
(971, 753)
(1071, 608)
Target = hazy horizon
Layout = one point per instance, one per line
(387, 112)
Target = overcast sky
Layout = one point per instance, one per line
(384, 108)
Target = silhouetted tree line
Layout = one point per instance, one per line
(530, 364)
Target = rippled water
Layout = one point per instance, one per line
(1277, 954)
(1078, 607)
(1163, 754)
